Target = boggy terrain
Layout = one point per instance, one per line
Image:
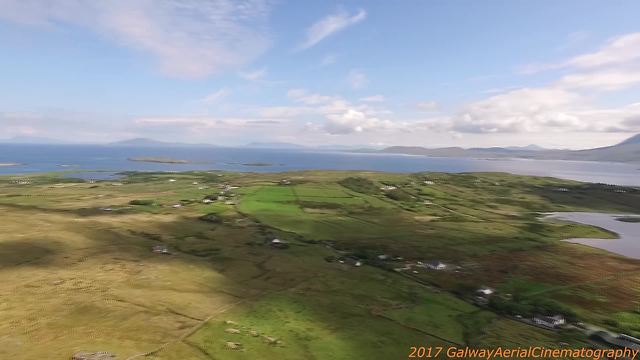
(185, 266)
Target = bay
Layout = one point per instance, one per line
(81, 158)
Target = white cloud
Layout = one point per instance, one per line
(211, 129)
(216, 96)
(284, 112)
(354, 121)
(373, 98)
(620, 50)
(537, 110)
(330, 25)
(427, 105)
(499, 90)
(608, 80)
(199, 124)
(357, 79)
(523, 110)
(61, 124)
(303, 96)
(254, 75)
(190, 38)
(343, 117)
(567, 104)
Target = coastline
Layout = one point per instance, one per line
(626, 240)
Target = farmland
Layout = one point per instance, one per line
(79, 273)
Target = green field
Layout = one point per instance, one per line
(79, 274)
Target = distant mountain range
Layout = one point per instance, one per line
(31, 140)
(147, 142)
(626, 151)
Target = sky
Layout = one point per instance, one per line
(560, 74)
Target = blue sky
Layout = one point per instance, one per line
(429, 73)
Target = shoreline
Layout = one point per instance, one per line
(626, 241)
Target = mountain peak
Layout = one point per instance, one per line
(635, 139)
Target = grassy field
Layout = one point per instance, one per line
(79, 273)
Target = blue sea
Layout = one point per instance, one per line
(107, 160)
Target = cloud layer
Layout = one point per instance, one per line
(189, 38)
(197, 38)
(330, 25)
(567, 104)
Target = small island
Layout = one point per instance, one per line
(163, 160)
(257, 164)
(629, 219)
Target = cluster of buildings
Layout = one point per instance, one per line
(429, 265)
(161, 249)
(20, 182)
(224, 195)
(549, 321)
(483, 296)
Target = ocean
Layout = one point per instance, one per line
(106, 160)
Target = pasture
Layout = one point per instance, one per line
(79, 273)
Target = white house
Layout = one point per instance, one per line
(280, 244)
(435, 265)
(549, 321)
(486, 291)
(160, 249)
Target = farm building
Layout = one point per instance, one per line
(161, 249)
(485, 291)
(435, 265)
(549, 321)
(278, 244)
